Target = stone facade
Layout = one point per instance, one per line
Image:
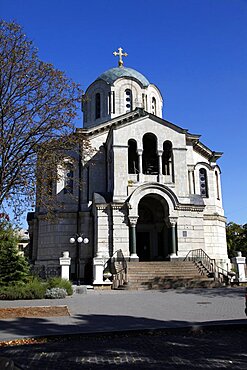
(150, 188)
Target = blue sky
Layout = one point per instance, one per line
(195, 51)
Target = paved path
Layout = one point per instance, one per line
(221, 349)
(109, 311)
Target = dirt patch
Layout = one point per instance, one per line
(39, 311)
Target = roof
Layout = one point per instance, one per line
(111, 75)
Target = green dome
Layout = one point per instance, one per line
(113, 74)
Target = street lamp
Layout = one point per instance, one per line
(78, 239)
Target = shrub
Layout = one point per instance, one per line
(56, 293)
(34, 289)
(57, 282)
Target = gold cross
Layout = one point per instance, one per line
(121, 54)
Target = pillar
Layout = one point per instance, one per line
(65, 262)
(140, 176)
(159, 153)
(240, 261)
(173, 223)
(133, 222)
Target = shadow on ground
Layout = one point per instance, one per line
(229, 292)
(169, 349)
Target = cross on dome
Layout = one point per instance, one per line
(120, 54)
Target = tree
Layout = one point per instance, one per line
(37, 107)
(13, 267)
(236, 236)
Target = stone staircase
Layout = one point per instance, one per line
(167, 275)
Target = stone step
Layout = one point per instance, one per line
(173, 284)
(166, 275)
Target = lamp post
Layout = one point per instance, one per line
(78, 239)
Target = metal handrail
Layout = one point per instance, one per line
(199, 255)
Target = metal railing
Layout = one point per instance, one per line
(45, 272)
(117, 266)
(205, 263)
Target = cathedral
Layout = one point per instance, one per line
(151, 189)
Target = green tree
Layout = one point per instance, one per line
(38, 105)
(236, 236)
(13, 267)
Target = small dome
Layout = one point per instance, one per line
(113, 74)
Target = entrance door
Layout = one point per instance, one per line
(143, 246)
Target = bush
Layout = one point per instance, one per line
(34, 289)
(57, 282)
(56, 293)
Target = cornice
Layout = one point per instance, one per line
(214, 217)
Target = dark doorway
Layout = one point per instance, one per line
(143, 246)
(152, 234)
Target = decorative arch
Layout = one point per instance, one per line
(204, 164)
(133, 164)
(128, 100)
(167, 158)
(154, 106)
(66, 176)
(152, 218)
(158, 190)
(150, 160)
(97, 105)
(203, 181)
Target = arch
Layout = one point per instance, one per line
(150, 160)
(167, 158)
(165, 195)
(152, 232)
(97, 105)
(217, 185)
(128, 100)
(133, 164)
(203, 180)
(154, 106)
(204, 164)
(65, 176)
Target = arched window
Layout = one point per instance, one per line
(68, 178)
(154, 109)
(217, 185)
(97, 105)
(203, 182)
(128, 100)
(150, 159)
(133, 165)
(167, 158)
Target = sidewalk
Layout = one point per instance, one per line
(110, 311)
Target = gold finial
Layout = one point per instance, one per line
(121, 54)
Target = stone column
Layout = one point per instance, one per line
(159, 153)
(65, 262)
(191, 179)
(240, 261)
(173, 222)
(140, 176)
(133, 255)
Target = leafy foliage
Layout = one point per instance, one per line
(60, 283)
(37, 107)
(34, 289)
(56, 293)
(13, 267)
(236, 236)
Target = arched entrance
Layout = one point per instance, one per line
(152, 233)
